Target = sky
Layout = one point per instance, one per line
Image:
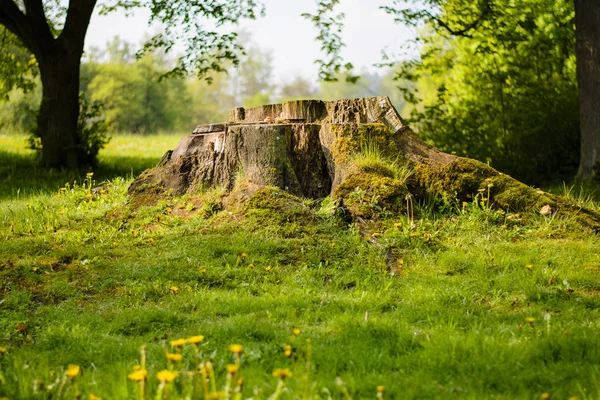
(289, 38)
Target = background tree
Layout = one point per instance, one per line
(505, 90)
(587, 15)
(55, 35)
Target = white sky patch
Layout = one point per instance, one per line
(285, 34)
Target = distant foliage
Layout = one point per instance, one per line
(503, 91)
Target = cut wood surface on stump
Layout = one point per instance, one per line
(309, 148)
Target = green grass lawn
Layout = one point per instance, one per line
(465, 304)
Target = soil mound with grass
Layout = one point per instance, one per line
(359, 152)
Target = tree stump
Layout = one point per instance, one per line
(308, 148)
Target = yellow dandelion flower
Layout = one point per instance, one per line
(174, 289)
(178, 342)
(94, 397)
(151, 240)
(232, 368)
(398, 224)
(166, 376)
(282, 373)
(173, 357)
(244, 255)
(296, 331)
(332, 244)
(530, 320)
(481, 190)
(3, 350)
(427, 235)
(89, 174)
(503, 227)
(488, 180)
(138, 375)
(236, 348)
(287, 350)
(72, 371)
(380, 389)
(195, 339)
(545, 396)
(529, 266)
(464, 204)
(268, 268)
(202, 270)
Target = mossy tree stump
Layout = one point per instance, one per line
(307, 148)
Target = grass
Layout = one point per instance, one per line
(463, 304)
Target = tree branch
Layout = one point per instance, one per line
(77, 22)
(15, 21)
(464, 31)
(35, 13)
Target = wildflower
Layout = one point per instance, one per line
(168, 210)
(530, 320)
(94, 397)
(268, 268)
(503, 227)
(244, 255)
(89, 174)
(232, 368)
(287, 350)
(296, 331)
(3, 350)
(34, 269)
(412, 234)
(174, 289)
(332, 244)
(166, 376)
(72, 371)
(481, 190)
(236, 348)
(398, 224)
(251, 266)
(178, 342)
(202, 270)
(464, 204)
(427, 235)
(62, 189)
(529, 266)
(400, 262)
(545, 396)
(380, 389)
(282, 373)
(151, 240)
(173, 357)
(195, 339)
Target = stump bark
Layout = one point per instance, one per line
(306, 148)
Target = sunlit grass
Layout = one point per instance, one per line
(464, 302)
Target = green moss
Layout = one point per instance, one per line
(465, 178)
(370, 193)
(351, 137)
(273, 206)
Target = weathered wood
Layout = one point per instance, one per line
(307, 148)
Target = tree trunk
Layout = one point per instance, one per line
(59, 110)
(316, 149)
(587, 16)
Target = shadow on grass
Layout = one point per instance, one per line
(21, 175)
